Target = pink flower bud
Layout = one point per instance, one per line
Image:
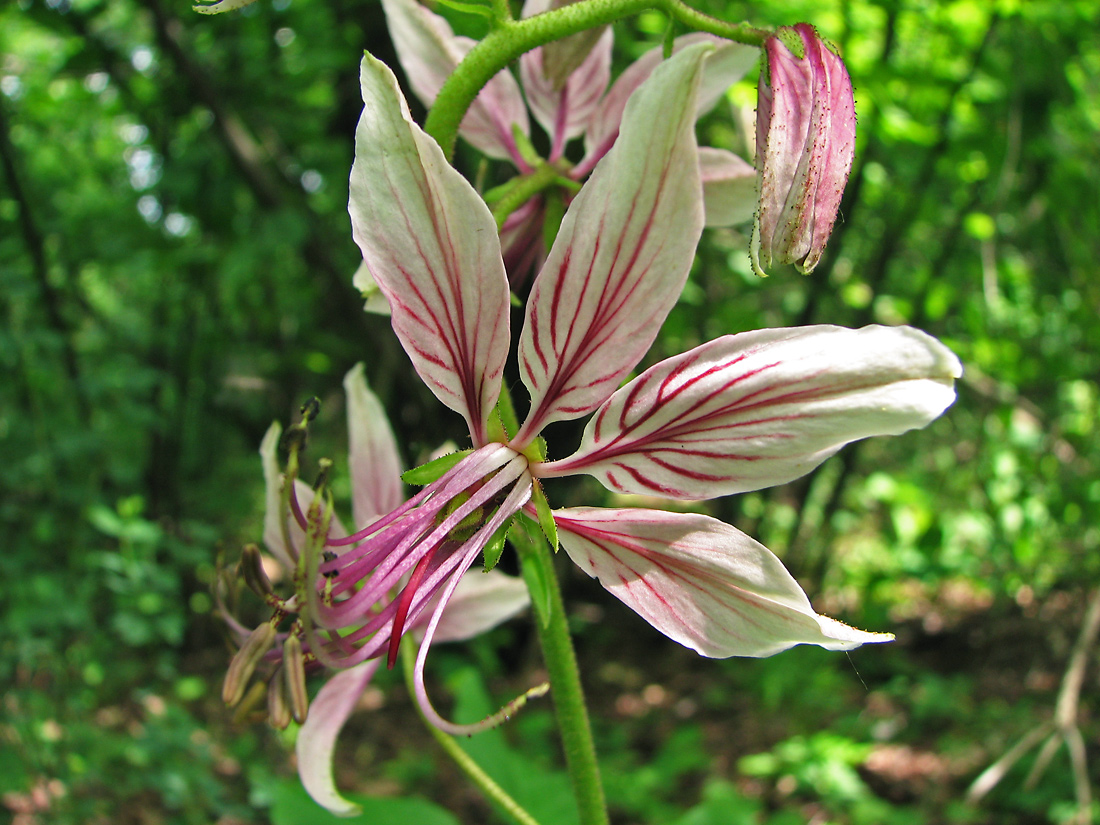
(805, 141)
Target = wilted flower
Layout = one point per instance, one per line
(581, 106)
(805, 142)
(740, 413)
(480, 600)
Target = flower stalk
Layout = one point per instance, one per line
(493, 792)
(565, 678)
(511, 38)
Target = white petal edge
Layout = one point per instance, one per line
(729, 187)
(480, 602)
(375, 465)
(317, 738)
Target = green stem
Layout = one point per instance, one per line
(493, 792)
(502, 12)
(565, 680)
(511, 38)
(520, 190)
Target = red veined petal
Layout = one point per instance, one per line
(431, 244)
(761, 408)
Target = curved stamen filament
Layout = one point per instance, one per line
(403, 604)
(512, 504)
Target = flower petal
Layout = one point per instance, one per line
(431, 244)
(376, 468)
(727, 64)
(480, 602)
(761, 408)
(621, 256)
(565, 112)
(429, 51)
(702, 583)
(317, 738)
(729, 187)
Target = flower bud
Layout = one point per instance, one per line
(805, 142)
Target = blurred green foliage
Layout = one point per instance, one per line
(175, 263)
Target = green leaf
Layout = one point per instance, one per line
(291, 805)
(434, 469)
(545, 793)
(507, 411)
(495, 548)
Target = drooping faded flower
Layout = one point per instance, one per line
(480, 600)
(580, 107)
(740, 413)
(805, 142)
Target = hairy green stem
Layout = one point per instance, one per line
(520, 190)
(561, 664)
(511, 38)
(493, 792)
(502, 12)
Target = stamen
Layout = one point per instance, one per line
(294, 666)
(278, 711)
(517, 497)
(403, 603)
(244, 663)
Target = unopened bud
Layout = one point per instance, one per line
(251, 567)
(805, 142)
(278, 710)
(257, 644)
(294, 668)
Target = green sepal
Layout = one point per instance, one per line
(668, 39)
(555, 212)
(495, 548)
(434, 469)
(468, 8)
(545, 514)
(507, 411)
(792, 39)
(526, 149)
(534, 576)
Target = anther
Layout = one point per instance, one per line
(251, 567)
(244, 663)
(310, 409)
(326, 557)
(294, 669)
(278, 709)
